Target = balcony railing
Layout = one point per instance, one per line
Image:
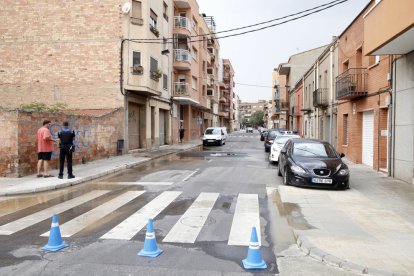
(320, 97)
(351, 84)
(181, 89)
(182, 55)
(182, 22)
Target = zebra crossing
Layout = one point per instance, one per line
(186, 229)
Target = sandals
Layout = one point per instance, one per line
(39, 175)
(49, 175)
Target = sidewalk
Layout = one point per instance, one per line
(367, 229)
(88, 171)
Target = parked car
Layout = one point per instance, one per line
(249, 129)
(278, 144)
(225, 131)
(214, 135)
(312, 163)
(263, 133)
(271, 135)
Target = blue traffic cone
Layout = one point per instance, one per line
(150, 245)
(254, 257)
(55, 242)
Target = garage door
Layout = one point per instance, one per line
(368, 138)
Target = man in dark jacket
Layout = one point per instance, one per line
(66, 136)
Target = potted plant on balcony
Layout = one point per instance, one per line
(154, 31)
(156, 74)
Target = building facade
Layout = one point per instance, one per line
(394, 37)
(280, 103)
(362, 90)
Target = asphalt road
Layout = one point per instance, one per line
(204, 204)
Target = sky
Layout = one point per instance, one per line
(255, 55)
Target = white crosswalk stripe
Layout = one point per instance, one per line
(245, 217)
(127, 229)
(75, 225)
(17, 225)
(190, 224)
(186, 229)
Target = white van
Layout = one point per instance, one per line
(225, 131)
(214, 135)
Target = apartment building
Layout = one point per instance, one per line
(280, 103)
(394, 37)
(226, 103)
(318, 96)
(248, 108)
(62, 52)
(293, 71)
(195, 69)
(362, 91)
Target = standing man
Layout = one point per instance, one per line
(44, 149)
(66, 136)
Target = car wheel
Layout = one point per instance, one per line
(285, 178)
(279, 172)
(270, 159)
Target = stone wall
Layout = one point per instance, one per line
(96, 138)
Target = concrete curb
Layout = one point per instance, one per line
(312, 251)
(77, 181)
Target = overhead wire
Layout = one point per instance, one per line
(249, 26)
(164, 41)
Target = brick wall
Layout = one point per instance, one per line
(60, 51)
(96, 137)
(8, 143)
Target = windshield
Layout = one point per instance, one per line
(212, 131)
(314, 150)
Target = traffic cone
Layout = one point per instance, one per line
(254, 257)
(55, 242)
(150, 245)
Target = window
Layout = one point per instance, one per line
(153, 20)
(165, 81)
(345, 140)
(136, 13)
(194, 83)
(136, 58)
(210, 92)
(165, 11)
(153, 65)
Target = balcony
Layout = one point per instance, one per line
(180, 89)
(182, 4)
(223, 100)
(182, 59)
(351, 84)
(281, 106)
(320, 98)
(182, 25)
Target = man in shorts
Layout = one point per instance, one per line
(44, 149)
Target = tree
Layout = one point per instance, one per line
(257, 118)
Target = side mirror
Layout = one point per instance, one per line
(342, 154)
(283, 151)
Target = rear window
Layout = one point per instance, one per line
(314, 150)
(272, 134)
(212, 131)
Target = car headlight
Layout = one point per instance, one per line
(297, 169)
(343, 172)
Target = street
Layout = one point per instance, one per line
(203, 204)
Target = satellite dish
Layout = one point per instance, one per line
(126, 7)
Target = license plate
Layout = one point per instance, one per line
(322, 180)
(211, 141)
